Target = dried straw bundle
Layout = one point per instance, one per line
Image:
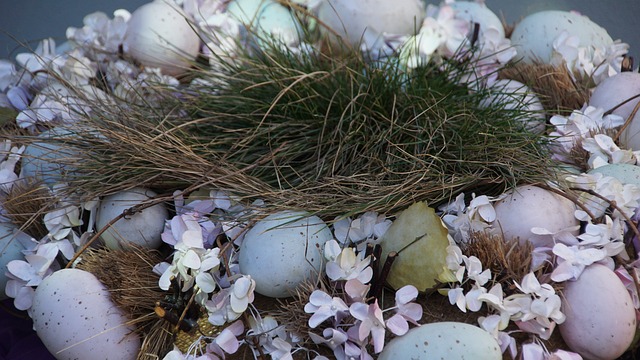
(557, 90)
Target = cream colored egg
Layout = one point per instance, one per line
(159, 35)
(283, 250)
(365, 22)
(601, 319)
(533, 36)
(443, 340)
(528, 207)
(75, 318)
(142, 228)
(620, 91)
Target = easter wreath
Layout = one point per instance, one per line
(252, 180)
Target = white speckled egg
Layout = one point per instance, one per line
(513, 94)
(75, 318)
(533, 36)
(527, 207)
(612, 92)
(282, 250)
(625, 173)
(601, 319)
(365, 21)
(10, 249)
(142, 228)
(159, 35)
(478, 13)
(443, 340)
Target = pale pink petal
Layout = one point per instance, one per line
(24, 299)
(377, 335)
(365, 275)
(193, 238)
(411, 311)
(228, 341)
(406, 294)
(241, 287)
(334, 271)
(206, 282)
(21, 269)
(532, 351)
(191, 260)
(359, 310)
(398, 325)
(356, 289)
(319, 298)
(319, 317)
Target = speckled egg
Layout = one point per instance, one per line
(75, 318)
(625, 173)
(283, 250)
(601, 319)
(529, 206)
(443, 340)
(615, 90)
(533, 36)
(10, 249)
(142, 228)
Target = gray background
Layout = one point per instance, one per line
(27, 21)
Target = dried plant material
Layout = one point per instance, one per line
(331, 136)
(508, 261)
(26, 205)
(555, 87)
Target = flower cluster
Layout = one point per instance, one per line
(351, 322)
(588, 63)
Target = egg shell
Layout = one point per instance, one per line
(533, 36)
(142, 228)
(159, 35)
(247, 11)
(48, 161)
(601, 319)
(420, 238)
(365, 21)
(443, 340)
(512, 95)
(526, 207)
(479, 13)
(625, 173)
(75, 318)
(10, 249)
(612, 92)
(283, 250)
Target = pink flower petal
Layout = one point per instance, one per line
(406, 294)
(398, 325)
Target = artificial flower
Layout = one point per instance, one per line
(348, 266)
(323, 307)
(371, 322)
